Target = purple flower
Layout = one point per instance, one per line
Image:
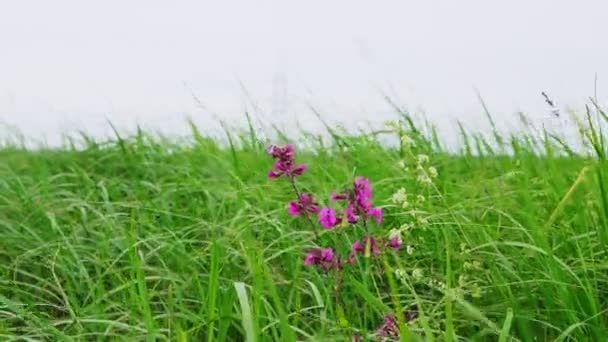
(363, 190)
(351, 217)
(328, 218)
(323, 257)
(389, 327)
(304, 204)
(286, 167)
(394, 242)
(376, 213)
(361, 246)
(359, 202)
(411, 315)
(285, 152)
(285, 164)
(335, 196)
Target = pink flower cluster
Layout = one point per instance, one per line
(358, 208)
(323, 257)
(370, 245)
(390, 327)
(285, 162)
(304, 204)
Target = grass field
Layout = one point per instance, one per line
(140, 238)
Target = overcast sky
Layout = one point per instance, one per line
(67, 65)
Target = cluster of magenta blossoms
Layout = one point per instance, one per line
(285, 162)
(359, 206)
(355, 206)
(350, 207)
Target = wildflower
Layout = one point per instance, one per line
(363, 190)
(405, 227)
(394, 240)
(409, 249)
(392, 124)
(376, 213)
(360, 202)
(417, 274)
(323, 257)
(422, 159)
(335, 196)
(363, 200)
(420, 198)
(389, 327)
(424, 179)
(433, 172)
(285, 152)
(406, 141)
(304, 204)
(286, 168)
(471, 266)
(400, 196)
(411, 315)
(328, 218)
(422, 220)
(366, 245)
(463, 247)
(285, 164)
(400, 273)
(351, 217)
(436, 284)
(462, 280)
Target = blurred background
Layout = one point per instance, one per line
(67, 66)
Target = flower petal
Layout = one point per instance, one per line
(377, 213)
(298, 170)
(351, 217)
(327, 217)
(336, 196)
(294, 208)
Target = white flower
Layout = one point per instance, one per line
(424, 179)
(422, 220)
(405, 227)
(463, 247)
(400, 273)
(433, 172)
(392, 124)
(462, 280)
(420, 198)
(406, 141)
(417, 274)
(400, 196)
(409, 249)
(394, 233)
(422, 158)
(401, 164)
(471, 266)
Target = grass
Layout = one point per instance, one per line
(141, 238)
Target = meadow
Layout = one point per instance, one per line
(145, 238)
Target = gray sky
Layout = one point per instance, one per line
(68, 65)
